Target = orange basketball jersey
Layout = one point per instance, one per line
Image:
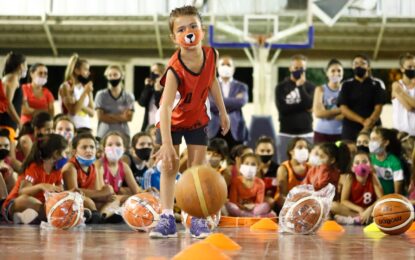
(292, 178)
(191, 107)
(363, 195)
(85, 180)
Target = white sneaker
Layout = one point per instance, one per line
(25, 217)
(349, 220)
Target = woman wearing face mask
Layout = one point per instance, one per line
(37, 96)
(403, 96)
(362, 141)
(293, 171)
(138, 157)
(7, 175)
(329, 118)
(64, 126)
(114, 105)
(361, 100)
(25, 202)
(115, 172)
(15, 68)
(217, 157)
(264, 149)
(385, 150)
(80, 173)
(360, 191)
(75, 93)
(327, 161)
(246, 197)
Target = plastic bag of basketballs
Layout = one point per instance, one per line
(64, 210)
(305, 209)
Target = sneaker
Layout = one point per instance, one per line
(199, 228)
(349, 220)
(25, 217)
(165, 228)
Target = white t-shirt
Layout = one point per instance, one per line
(81, 119)
(403, 119)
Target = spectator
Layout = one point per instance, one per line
(403, 96)
(114, 105)
(76, 92)
(329, 124)
(235, 96)
(36, 96)
(151, 95)
(294, 99)
(361, 99)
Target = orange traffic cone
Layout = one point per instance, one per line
(412, 228)
(331, 226)
(265, 224)
(201, 251)
(222, 241)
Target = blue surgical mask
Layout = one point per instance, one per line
(60, 163)
(85, 162)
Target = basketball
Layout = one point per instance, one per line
(64, 210)
(201, 191)
(393, 214)
(141, 211)
(212, 220)
(305, 215)
(297, 196)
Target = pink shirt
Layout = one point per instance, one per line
(41, 103)
(117, 180)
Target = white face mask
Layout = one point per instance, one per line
(67, 134)
(39, 81)
(225, 71)
(113, 154)
(248, 171)
(24, 74)
(314, 160)
(335, 79)
(375, 147)
(301, 155)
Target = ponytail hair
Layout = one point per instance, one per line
(339, 152)
(43, 148)
(74, 63)
(13, 62)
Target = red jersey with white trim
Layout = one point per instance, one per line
(85, 180)
(191, 108)
(35, 174)
(363, 195)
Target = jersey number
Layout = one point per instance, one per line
(367, 198)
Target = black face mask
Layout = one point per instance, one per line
(83, 80)
(154, 76)
(363, 148)
(143, 153)
(266, 158)
(4, 153)
(114, 82)
(297, 73)
(410, 74)
(359, 72)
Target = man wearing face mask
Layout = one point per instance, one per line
(361, 99)
(114, 105)
(235, 96)
(294, 99)
(151, 94)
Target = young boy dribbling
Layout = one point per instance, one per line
(184, 112)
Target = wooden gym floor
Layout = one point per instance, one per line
(119, 242)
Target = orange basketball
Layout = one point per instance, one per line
(141, 211)
(305, 215)
(212, 220)
(65, 209)
(201, 191)
(297, 196)
(393, 214)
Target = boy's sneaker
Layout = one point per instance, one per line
(199, 228)
(165, 228)
(25, 217)
(343, 220)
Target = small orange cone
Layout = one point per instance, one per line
(222, 241)
(331, 226)
(201, 251)
(412, 228)
(265, 224)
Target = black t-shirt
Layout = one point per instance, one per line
(5, 119)
(361, 98)
(294, 107)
